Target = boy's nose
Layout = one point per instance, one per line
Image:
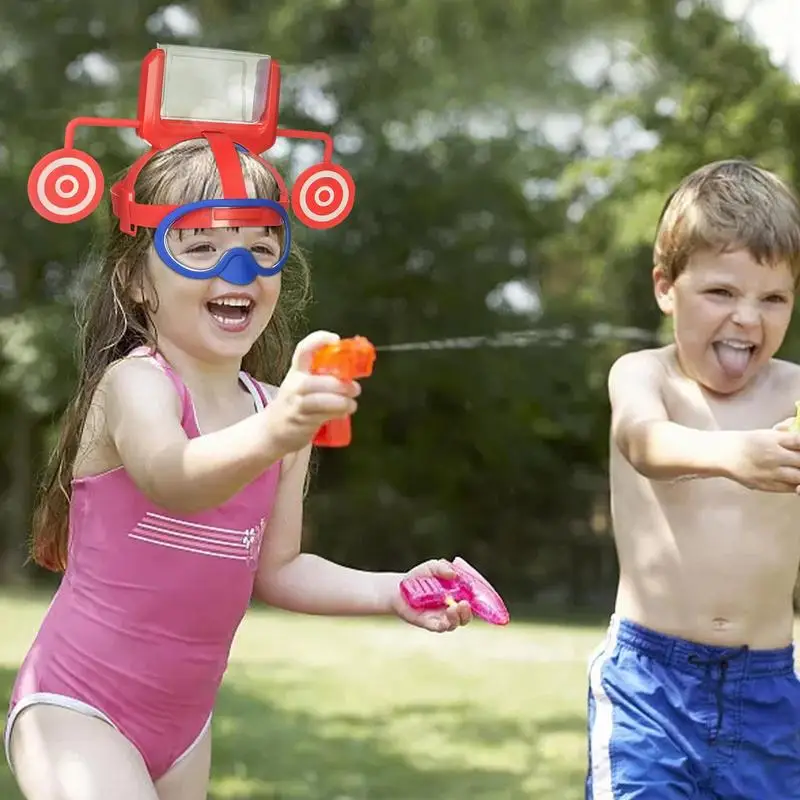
(746, 315)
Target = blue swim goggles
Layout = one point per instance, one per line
(192, 239)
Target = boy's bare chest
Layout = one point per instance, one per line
(730, 507)
(688, 405)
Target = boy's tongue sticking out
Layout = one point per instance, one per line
(734, 356)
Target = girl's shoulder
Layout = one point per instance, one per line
(132, 391)
(135, 364)
(139, 377)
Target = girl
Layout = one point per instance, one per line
(170, 502)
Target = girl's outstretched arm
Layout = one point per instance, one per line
(143, 421)
(305, 583)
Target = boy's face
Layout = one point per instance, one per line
(730, 315)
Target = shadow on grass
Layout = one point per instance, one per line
(265, 752)
(545, 614)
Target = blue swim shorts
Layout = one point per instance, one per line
(670, 719)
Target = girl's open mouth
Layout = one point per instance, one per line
(231, 313)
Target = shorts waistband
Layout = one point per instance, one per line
(682, 654)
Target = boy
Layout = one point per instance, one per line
(693, 693)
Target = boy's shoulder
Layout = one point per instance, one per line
(784, 368)
(651, 362)
(784, 376)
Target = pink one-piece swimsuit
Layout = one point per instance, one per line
(140, 629)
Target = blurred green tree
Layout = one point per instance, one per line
(510, 165)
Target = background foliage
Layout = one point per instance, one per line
(510, 160)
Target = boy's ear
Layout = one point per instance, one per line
(663, 289)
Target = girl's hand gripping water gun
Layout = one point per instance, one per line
(428, 593)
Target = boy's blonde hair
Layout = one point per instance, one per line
(726, 206)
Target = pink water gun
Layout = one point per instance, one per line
(426, 593)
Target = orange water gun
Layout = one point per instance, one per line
(348, 360)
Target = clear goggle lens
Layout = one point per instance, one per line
(198, 240)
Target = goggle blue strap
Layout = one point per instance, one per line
(236, 265)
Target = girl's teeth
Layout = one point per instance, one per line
(233, 301)
(230, 311)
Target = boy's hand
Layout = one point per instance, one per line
(784, 424)
(306, 401)
(437, 620)
(767, 460)
(790, 423)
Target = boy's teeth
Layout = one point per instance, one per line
(738, 345)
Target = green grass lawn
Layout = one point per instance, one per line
(328, 709)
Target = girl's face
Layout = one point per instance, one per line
(210, 319)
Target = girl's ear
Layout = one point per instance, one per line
(141, 292)
(138, 285)
(136, 293)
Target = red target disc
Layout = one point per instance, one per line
(323, 196)
(65, 186)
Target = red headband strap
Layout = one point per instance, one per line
(228, 165)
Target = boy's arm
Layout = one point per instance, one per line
(143, 421)
(641, 429)
(305, 583)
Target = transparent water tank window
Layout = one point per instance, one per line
(214, 86)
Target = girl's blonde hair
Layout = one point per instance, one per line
(112, 323)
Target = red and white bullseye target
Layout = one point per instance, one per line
(65, 186)
(323, 195)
